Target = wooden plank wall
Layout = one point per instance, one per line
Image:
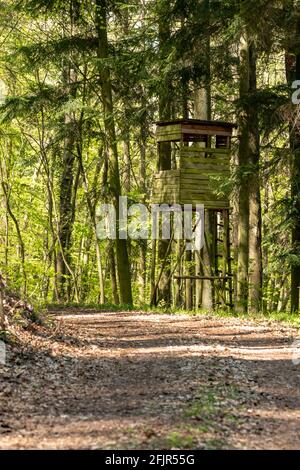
(192, 183)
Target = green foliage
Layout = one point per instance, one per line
(178, 440)
(52, 75)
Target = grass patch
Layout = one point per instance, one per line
(282, 317)
(180, 440)
(215, 444)
(203, 407)
(202, 424)
(107, 307)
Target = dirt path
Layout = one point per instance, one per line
(132, 380)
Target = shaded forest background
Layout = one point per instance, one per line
(82, 84)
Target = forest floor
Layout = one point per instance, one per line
(134, 380)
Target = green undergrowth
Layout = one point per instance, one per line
(107, 307)
(205, 423)
(283, 317)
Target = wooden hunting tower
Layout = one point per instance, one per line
(193, 162)
(200, 154)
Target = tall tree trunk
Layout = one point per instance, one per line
(126, 127)
(164, 163)
(66, 185)
(123, 266)
(143, 243)
(265, 230)
(293, 73)
(202, 110)
(255, 222)
(243, 196)
(65, 210)
(204, 289)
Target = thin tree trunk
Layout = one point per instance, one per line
(153, 293)
(164, 163)
(66, 188)
(143, 243)
(243, 224)
(202, 110)
(266, 248)
(188, 282)
(112, 271)
(207, 286)
(255, 222)
(92, 213)
(123, 266)
(20, 238)
(293, 73)
(204, 289)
